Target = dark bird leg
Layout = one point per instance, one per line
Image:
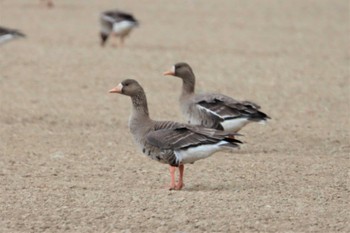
(104, 38)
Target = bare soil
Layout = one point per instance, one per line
(67, 160)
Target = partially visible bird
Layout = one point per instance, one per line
(116, 23)
(170, 142)
(7, 34)
(47, 3)
(213, 110)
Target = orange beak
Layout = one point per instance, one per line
(170, 72)
(117, 89)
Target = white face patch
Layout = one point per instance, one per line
(120, 87)
(173, 69)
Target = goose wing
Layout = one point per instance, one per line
(185, 136)
(117, 16)
(225, 107)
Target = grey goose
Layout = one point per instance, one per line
(213, 110)
(116, 23)
(170, 142)
(7, 34)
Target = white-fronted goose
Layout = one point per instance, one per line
(170, 142)
(7, 34)
(116, 23)
(211, 109)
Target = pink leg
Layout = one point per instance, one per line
(114, 42)
(172, 177)
(180, 183)
(122, 41)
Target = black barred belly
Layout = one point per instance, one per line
(162, 156)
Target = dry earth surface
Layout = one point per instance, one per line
(67, 160)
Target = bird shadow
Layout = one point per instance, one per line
(209, 188)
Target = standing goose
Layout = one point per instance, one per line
(170, 142)
(211, 109)
(7, 34)
(116, 23)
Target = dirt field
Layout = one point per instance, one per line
(67, 160)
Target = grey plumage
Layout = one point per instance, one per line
(212, 109)
(167, 141)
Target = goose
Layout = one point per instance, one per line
(7, 34)
(213, 110)
(170, 142)
(116, 23)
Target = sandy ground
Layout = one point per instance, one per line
(67, 160)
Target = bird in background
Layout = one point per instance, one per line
(7, 34)
(213, 110)
(47, 3)
(116, 23)
(171, 142)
